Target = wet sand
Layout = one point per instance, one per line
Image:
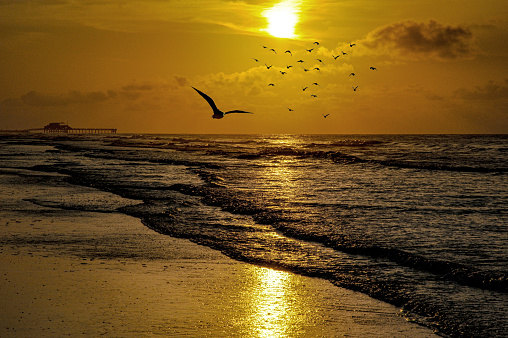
(69, 273)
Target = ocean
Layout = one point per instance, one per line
(417, 221)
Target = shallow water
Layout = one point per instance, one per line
(417, 221)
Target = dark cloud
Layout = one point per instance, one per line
(73, 97)
(431, 39)
(491, 91)
(181, 81)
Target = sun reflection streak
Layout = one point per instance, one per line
(271, 302)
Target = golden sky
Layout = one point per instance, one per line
(441, 66)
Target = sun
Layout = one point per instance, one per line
(282, 19)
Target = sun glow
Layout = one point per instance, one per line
(282, 19)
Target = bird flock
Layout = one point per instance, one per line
(291, 65)
(312, 63)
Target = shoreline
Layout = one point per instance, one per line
(68, 272)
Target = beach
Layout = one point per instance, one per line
(84, 273)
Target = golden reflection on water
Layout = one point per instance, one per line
(275, 304)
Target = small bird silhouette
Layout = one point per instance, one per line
(283, 73)
(265, 47)
(301, 61)
(313, 95)
(271, 84)
(305, 69)
(344, 53)
(290, 109)
(352, 74)
(316, 43)
(325, 116)
(352, 44)
(316, 84)
(304, 88)
(373, 68)
(335, 57)
(288, 51)
(320, 61)
(289, 66)
(317, 68)
(273, 50)
(255, 59)
(268, 67)
(354, 88)
(218, 114)
(310, 50)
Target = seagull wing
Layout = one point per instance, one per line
(208, 99)
(237, 111)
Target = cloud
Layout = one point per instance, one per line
(130, 92)
(491, 91)
(421, 40)
(73, 97)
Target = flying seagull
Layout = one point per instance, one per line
(288, 51)
(273, 50)
(267, 66)
(255, 59)
(352, 44)
(354, 88)
(335, 57)
(373, 68)
(217, 114)
(316, 84)
(310, 50)
(290, 109)
(313, 95)
(316, 43)
(320, 61)
(271, 84)
(301, 61)
(352, 74)
(325, 116)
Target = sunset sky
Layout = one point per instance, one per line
(441, 66)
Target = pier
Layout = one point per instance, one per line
(63, 128)
(56, 127)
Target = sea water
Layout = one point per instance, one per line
(418, 221)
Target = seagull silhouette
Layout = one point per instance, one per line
(344, 53)
(271, 84)
(218, 114)
(325, 116)
(316, 43)
(320, 61)
(352, 44)
(289, 66)
(352, 74)
(354, 88)
(267, 66)
(316, 84)
(313, 95)
(303, 88)
(255, 59)
(373, 68)
(290, 109)
(273, 50)
(288, 51)
(310, 50)
(335, 57)
(301, 61)
(317, 68)
(283, 73)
